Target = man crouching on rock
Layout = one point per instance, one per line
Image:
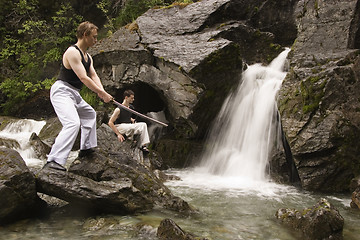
(73, 112)
(123, 124)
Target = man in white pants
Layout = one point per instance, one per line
(122, 123)
(73, 112)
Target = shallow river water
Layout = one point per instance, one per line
(228, 209)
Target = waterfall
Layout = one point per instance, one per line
(244, 132)
(16, 135)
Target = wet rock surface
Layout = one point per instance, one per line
(116, 196)
(17, 188)
(317, 103)
(355, 196)
(168, 229)
(322, 221)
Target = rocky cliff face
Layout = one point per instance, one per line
(186, 59)
(319, 101)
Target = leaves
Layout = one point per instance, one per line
(29, 42)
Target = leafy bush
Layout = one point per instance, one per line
(28, 44)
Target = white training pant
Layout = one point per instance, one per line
(73, 113)
(140, 128)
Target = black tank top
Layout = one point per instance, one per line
(124, 116)
(68, 75)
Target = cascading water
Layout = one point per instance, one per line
(245, 129)
(16, 135)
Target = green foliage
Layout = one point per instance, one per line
(133, 9)
(90, 97)
(34, 34)
(104, 6)
(28, 44)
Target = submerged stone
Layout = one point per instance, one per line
(168, 229)
(322, 221)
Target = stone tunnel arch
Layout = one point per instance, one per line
(147, 99)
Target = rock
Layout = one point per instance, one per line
(39, 106)
(41, 149)
(115, 160)
(322, 221)
(9, 143)
(17, 188)
(116, 196)
(355, 199)
(53, 126)
(317, 103)
(145, 231)
(168, 229)
(165, 177)
(116, 178)
(355, 183)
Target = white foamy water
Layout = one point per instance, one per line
(199, 179)
(246, 128)
(20, 132)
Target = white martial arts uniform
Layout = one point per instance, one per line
(139, 128)
(73, 113)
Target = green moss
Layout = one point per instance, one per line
(312, 93)
(276, 47)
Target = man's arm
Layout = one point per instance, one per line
(93, 75)
(72, 57)
(111, 123)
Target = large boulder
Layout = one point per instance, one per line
(116, 196)
(117, 178)
(322, 221)
(318, 99)
(17, 188)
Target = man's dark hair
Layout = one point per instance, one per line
(128, 93)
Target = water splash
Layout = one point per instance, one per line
(16, 135)
(243, 133)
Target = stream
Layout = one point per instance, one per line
(230, 188)
(227, 210)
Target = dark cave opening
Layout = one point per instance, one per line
(147, 99)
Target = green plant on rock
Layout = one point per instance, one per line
(90, 97)
(133, 9)
(312, 93)
(105, 7)
(180, 4)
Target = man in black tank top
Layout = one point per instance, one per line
(122, 123)
(73, 112)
